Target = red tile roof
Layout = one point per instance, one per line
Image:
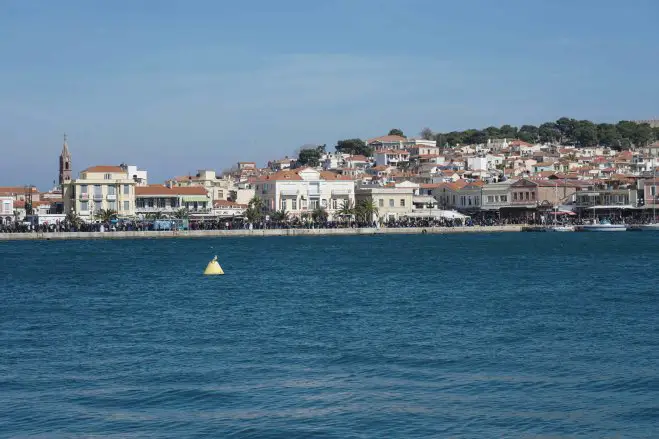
(104, 168)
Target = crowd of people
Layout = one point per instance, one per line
(233, 224)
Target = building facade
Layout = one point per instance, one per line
(392, 203)
(300, 191)
(100, 188)
(170, 201)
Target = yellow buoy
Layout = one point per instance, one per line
(213, 268)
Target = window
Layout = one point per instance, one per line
(504, 198)
(282, 204)
(477, 200)
(140, 203)
(533, 195)
(323, 203)
(126, 189)
(314, 204)
(490, 199)
(126, 205)
(653, 191)
(402, 202)
(112, 190)
(526, 195)
(160, 202)
(335, 203)
(107, 176)
(453, 199)
(84, 206)
(83, 188)
(391, 202)
(381, 202)
(294, 204)
(98, 192)
(112, 205)
(220, 194)
(515, 196)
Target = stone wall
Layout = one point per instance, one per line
(250, 233)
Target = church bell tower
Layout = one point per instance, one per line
(65, 164)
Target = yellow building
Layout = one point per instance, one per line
(101, 188)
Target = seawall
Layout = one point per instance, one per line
(252, 233)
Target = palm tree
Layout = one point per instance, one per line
(155, 215)
(319, 215)
(182, 213)
(365, 211)
(280, 216)
(254, 212)
(347, 209)
(74, 219)
(106, 215)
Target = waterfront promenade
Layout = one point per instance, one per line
(253, 233)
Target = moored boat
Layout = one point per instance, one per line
(560, 229)
(603, 226)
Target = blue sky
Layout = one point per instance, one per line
(176, 86)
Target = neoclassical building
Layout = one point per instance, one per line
(299, 191)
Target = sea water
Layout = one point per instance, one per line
(475, 336)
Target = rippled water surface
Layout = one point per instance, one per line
(475, 336)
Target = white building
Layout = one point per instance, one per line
(496, 195)
(100, 188)
(6, 210)
(300, 191)
(167, 201)
(393, 203)
(140, 176)
(391, 157)
(219, 187)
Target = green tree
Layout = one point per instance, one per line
(528, 133)
(427, 134)
(396, 132)
(254, 211)
(106, 215)
(319, 215)
(155, 215)
(366, 210)
(508, 132)
(280, 216)
(548, 132)
(585, 133)
(73, 219)
(181, 213)
(347, 209)
(655, 131)
(608, 135)
(354, 147)
(643, 135)
(567, 127)
(493, 132)
(309, 157)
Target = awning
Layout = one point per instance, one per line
(424, 199)
(193, 198)
(450, 214)
(622, 206)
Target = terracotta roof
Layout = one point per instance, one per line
(171, 192)
(393, 151)
(104, 168)
(11, 190)
(225, 203)
(387, 139)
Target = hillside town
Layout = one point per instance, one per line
(389, 180)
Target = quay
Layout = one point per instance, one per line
(253, 233)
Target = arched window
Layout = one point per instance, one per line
(66, 166)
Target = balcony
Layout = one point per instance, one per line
(98, 197)
(111, 197)
(84, 196)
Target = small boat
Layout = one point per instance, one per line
(560, 229)
(652, 227)
(603, 226)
